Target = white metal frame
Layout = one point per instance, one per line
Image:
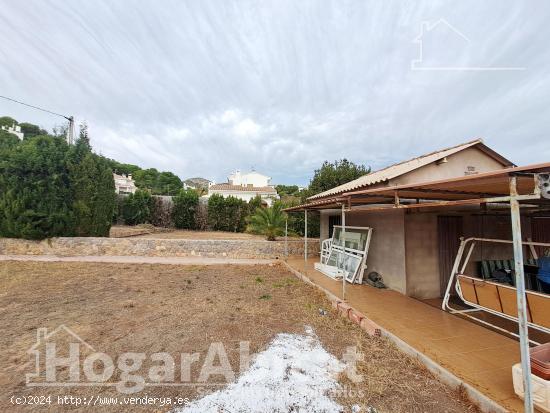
(458, 270)
(325, 250)
(328, 246)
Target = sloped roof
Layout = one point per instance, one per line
(241, 188)
(483, 188)
(404, 167)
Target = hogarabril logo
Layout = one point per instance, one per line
(62, 358)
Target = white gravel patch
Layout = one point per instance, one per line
(294, 374)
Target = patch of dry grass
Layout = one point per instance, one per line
(182, 309)
(396, 382)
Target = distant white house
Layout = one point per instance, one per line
(124, 184)
(246, 187)
(253, 178)
(15, 130)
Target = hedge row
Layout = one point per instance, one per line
(184, 211)
(187, 211)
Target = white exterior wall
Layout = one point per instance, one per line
(124, 184)
(253, 178)
(15, 130)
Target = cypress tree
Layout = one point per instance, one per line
(35, 198)
(185, 208)
(49, 189)
(93, 190)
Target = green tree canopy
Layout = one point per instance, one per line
(332, 174)
(7, 121)
(167, 184)
(123, 168)
(146, 178)
(286, 190)
(31, 130)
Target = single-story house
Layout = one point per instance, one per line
(414, 248)
(463, 229)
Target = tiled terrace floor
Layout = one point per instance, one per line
(478, 356)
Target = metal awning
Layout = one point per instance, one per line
(482, 188)
(509, 186)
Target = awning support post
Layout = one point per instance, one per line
(344, 245)
(305, 238)
(520, 293)
(286, 237)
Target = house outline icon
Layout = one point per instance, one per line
(42, 336)
(427, 27)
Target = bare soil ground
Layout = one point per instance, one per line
(119, 308)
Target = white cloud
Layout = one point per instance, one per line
(229, 116)
(203, 88)
(246, 127)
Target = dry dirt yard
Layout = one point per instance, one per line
(118, 308)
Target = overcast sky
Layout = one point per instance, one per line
(202, 87)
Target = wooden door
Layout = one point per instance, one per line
(449, 230)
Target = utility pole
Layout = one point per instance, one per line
(70, 130)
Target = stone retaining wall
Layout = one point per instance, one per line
(79, 246)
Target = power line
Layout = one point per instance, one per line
(36, 107)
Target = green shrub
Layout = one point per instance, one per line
(235, 212)
(268, 221)
(216, 212)
(137, 208)
(35, 191)
(254, 204)
(227, 214)
(185, 209)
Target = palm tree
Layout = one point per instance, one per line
(268, 221)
